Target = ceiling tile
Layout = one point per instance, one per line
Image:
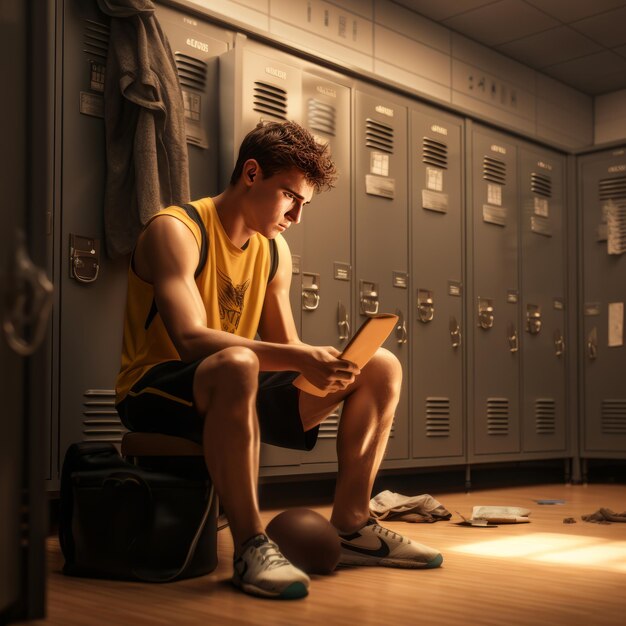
(608, 29)
(571, 10)
(574, 72)
(437, 10)
(550, 47)
(598, 85)
(501, 22)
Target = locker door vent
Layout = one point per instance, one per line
(494, 170)
(96, 39)
(100, 419)
(612, 188)
(435, 153)
(378, 136)
(330, 426)
(614, 416)
(545, 416)
(191, 72)
(541, 185)
(497, 416)
(437, 417)
(270, 100)
(321, 116)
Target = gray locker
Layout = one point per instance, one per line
(602, 180)
(493, 371)
(88, 337)
(436, 251)
(542, 188)
(381, 230)
(326, 274)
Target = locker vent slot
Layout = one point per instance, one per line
(437, 417)
(378, 136)
(329, 427)
(614, 416)
(191, 72)
(497, 416)
(270, 100)
(96, 39)
(541, 185)
(612, 188)
(321, 117)
(545, 416)
(100, 419)
(435, 153)
(494, 170)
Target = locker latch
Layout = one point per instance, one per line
(533, 319)
(513, 338)
(592, 344)
(368, 297)
(559, 343)
(425, 306)
(84, 258)
(343, 322)
(401, 334)
(455, 333)
(485, 313)
(310, 291)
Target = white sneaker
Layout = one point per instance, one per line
(261, 570)
(375, 545)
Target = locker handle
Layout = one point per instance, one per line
(559, 343)
(368, 298)
(485, 313)
(533, 319)
(513, 339)
(32, 301)
(401, 332)
(592, 344)
(425, 306)
(343, 322)
(455, 332)
(310, 291)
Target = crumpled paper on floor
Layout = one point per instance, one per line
(415, 509)
(502, 514)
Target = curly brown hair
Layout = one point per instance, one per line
(279, 146)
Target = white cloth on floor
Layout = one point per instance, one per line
(501, 514)
(395, 506)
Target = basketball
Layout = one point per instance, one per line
(307, 539)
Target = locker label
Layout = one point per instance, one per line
(434, 201)
(454, 288)
(400, 279)
(540, 226)
(295, 264)
(379, 164)
(592, 308)
(380, 186)
(541, 207)
(341, 271)
(434, 179)
(494, 194)
(558, 304)
(494, 215)
(616, 324)
(512, 296)
(91, 104)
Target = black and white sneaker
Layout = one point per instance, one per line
(375, 545)
(262, 570)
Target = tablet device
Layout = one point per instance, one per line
(360, 348)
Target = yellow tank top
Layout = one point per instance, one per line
(232, 286)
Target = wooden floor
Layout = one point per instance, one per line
(541, 573)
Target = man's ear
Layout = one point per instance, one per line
(251, 171)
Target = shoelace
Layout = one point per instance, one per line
(380, 530)
(270, 554)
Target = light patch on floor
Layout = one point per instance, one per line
(554, 548)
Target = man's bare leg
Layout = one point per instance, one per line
(368, 411)
(225, 389)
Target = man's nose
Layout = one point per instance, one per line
(295, 214)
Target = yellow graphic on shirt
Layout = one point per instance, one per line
(230, 299)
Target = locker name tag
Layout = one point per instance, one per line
(494, 215)
(295, 264)
(380, 186)
(454, 288)
(400, 279)
(434, 201)
(558, 304)
(512, 296)
(541, 207)
(341, 271)
(592, 308)
(91, 104)
(541, 226)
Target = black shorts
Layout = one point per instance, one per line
(162, 402)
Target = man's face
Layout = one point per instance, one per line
(276, 202)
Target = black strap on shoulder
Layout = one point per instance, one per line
(273, 259)
(193, 214)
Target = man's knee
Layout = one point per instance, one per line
(384, 369)
(231, 369)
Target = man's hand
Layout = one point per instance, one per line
(322, 367)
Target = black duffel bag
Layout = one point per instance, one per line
(121, 521)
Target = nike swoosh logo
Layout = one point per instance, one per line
(381, 552)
